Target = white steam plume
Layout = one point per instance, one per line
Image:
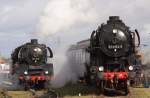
(61, 15)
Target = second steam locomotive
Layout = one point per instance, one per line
(29, 64)
(109, 56)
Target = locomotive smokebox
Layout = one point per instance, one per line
(34, 41)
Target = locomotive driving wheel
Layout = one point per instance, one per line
(102, 86)
(126, 89)
(46, 84)
(26, 86)
(123, 87)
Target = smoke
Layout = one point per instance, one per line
(145, 45)
(67, 69)
(146, 58)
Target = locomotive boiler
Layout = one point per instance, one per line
(30, 64)
(109, 55)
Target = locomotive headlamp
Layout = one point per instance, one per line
(37, 49)
(130, 68)
(101, 68)
(25, 72)
(114, 30)
(119, 32)
(46, 72)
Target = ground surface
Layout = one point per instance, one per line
(134, 93)
(75, 91)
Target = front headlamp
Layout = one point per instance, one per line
(130, 68)
(46, 72)
(37, 49)
(101, 68)
(25, 72)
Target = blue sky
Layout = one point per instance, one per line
(21, 20)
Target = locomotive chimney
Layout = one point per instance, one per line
(34, 41)
(114, 19)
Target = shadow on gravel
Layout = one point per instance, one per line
(113, 93)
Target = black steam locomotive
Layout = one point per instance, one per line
(29, 64)
(109, 56)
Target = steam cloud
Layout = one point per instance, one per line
(61, 16)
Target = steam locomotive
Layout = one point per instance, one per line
(29, 64)
(109, 57)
